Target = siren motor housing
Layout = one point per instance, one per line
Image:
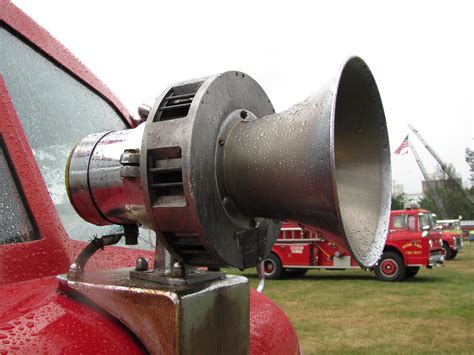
(214, 169)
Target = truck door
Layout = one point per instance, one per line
(404, 234)
(434, 242)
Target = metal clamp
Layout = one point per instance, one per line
(261, 276)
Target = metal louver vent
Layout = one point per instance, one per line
(166, 177)
(177, 102)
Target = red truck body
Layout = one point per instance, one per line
(406, 250)
(34, 317)
(452, 236)
(452, 243)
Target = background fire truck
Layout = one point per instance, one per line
(451, 234)
(466, 228)
(412, 242)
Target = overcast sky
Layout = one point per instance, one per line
(421, 54)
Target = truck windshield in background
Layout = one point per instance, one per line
(404, 222)
(426, 220)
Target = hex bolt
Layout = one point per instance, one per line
(221, 141)
(75, 271)
(141, 264)
(178, 270)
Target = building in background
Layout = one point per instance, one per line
(428, 185)
(397, 189)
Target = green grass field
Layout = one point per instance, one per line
(351, 312)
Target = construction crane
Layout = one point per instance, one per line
(436, 197)
(440, 162)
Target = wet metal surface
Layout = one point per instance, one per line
(324, 162)
(193, 217)
(209, 318)
(100, 187)
(218, 169)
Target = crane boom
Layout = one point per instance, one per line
(419, 162)
(441, 163)
(432, 152)
(436, 197)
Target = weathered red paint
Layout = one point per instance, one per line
(34, 318)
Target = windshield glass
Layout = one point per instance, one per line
(15, 224)
(399, 221)
(426, 220)
(56, 112)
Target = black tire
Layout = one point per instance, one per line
(390, 267)
(447, 252)
(454, 253)
(296, 272)
(411, 271)
(272, 267)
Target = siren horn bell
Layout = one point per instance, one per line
(214, 169)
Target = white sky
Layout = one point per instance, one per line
(421, 54)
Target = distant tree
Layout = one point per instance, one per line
(427, 202)
(398, 201)
(453, 199)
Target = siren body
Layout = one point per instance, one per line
(214, 169)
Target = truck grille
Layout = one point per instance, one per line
(458, 241)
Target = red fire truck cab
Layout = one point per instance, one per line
(412, 242)
(48, 101)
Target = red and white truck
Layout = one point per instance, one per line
(412, 242)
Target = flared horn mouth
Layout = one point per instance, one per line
(325, 163)
(361, 153)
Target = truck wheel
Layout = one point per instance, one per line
(296, 272)
(390, 267)
(411, 271)
(272, 267)
(447, 252)
(453, 254)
